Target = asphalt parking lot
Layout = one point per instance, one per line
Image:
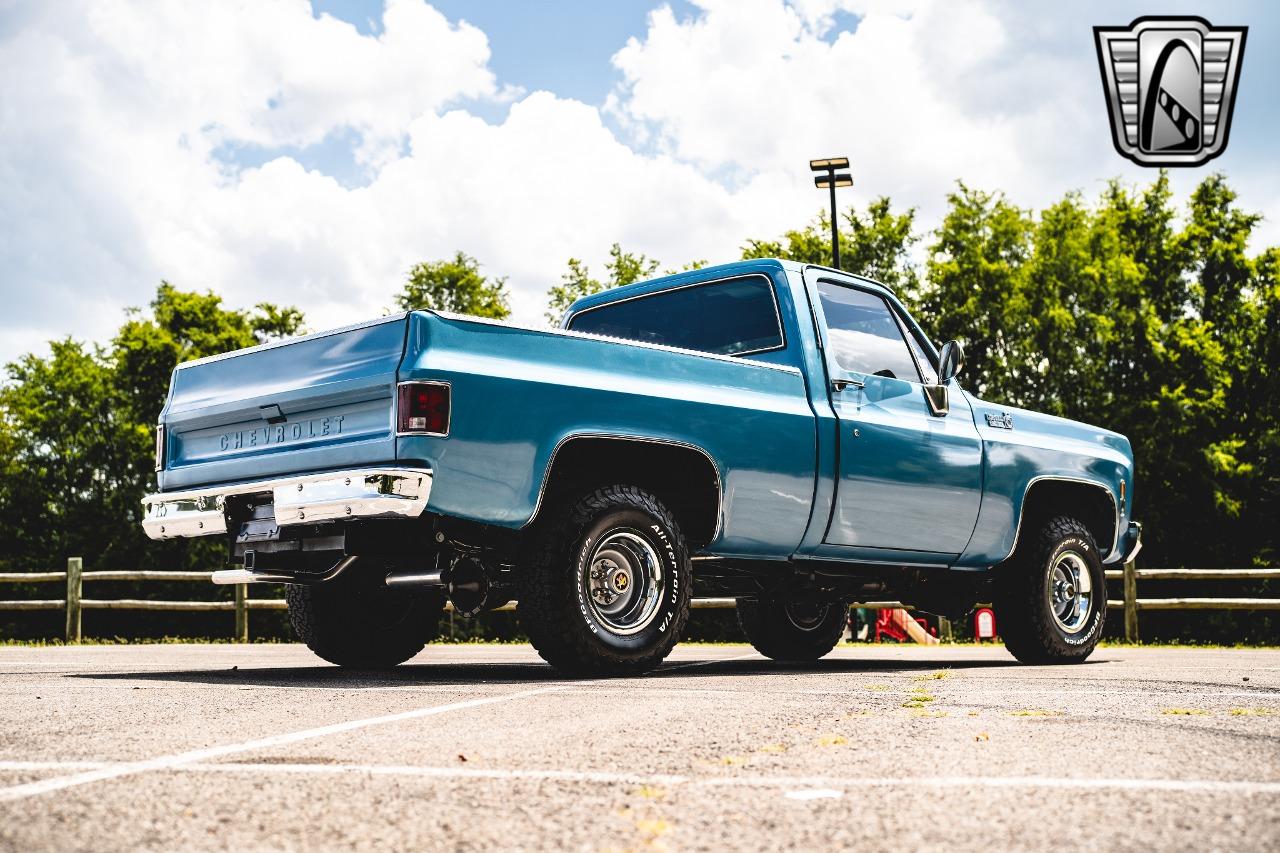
(466, 747)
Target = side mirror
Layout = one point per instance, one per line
(951, 362)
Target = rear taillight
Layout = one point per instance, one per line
(160, 447)
(424, 408)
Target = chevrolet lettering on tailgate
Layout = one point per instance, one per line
(281, 433)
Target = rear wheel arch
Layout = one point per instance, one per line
(1090, 503)
(683, 476)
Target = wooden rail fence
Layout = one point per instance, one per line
(74, 603)
(1132, 605)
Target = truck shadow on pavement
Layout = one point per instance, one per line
(325, 677)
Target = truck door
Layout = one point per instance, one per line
(907, 479)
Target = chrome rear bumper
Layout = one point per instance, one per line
(305, 498)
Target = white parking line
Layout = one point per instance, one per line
(167, 762)
(794, 783)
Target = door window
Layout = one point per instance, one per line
(922, 357)
(863, 334)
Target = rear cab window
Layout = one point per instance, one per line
(737, 316)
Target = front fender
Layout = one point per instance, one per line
(1021, 448)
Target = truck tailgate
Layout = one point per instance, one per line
(319, 402)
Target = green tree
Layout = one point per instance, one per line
(185, 325)
(456, 286)
(876, 244)
(973, 291)
(77, 431)
(577, 282)
(70, 471)
(274, 322)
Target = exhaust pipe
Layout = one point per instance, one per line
(467, 587)
(229, 577)
(402, 579)
(248, 575)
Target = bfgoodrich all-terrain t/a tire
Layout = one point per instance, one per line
(605, 589)
(791, 630)
(357, 622)
(1051, 599)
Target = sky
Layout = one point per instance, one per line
(309, 153)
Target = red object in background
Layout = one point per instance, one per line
(984, 624)
(889, 624)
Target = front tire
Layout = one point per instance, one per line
(1051, 599)
(357, 622)
(786, 630)
(606, 589)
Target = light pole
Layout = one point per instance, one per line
(831, 180)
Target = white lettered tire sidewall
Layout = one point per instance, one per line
(1097, 576)
(674, 574)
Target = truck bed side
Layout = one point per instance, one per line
(519, 394)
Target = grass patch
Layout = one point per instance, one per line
(138, 641)
(935, 676)
(918, 700)
(1184, 712)
(832, 740)
(1034, 712)
(1252, 712)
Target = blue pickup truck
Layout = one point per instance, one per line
(779, 433)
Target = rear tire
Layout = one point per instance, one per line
(357, 622)
(792, 631)
(606, 587)
(1051, 599)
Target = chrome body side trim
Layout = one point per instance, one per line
(359, 493)
(587, 336)
(551, 460)
(1022, 510)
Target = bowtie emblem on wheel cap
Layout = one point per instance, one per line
(1171, 86)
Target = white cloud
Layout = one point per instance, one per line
(906, 96)
(111, 114)
(111, 121)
